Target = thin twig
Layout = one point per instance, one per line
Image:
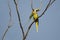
(52, 2)
(10, 22)
(48, 5)
(19, 18)
(32, 5)
(40, 5)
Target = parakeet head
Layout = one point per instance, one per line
(37, 10)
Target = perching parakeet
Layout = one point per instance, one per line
(34, 14)
(35, 17)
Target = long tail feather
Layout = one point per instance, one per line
(37, 26)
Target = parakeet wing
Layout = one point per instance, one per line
(31, 16)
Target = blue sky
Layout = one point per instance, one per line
(49, 24)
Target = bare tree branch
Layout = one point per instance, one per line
(48, 5)
(10, 22)
(40, 5)
(19, 18)
(52, 2)
(32, 5)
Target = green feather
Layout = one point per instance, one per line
(31, 16)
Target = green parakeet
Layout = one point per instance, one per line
(35, 17)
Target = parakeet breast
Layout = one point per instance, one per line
(35, 15)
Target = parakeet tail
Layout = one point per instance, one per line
(37, 26)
